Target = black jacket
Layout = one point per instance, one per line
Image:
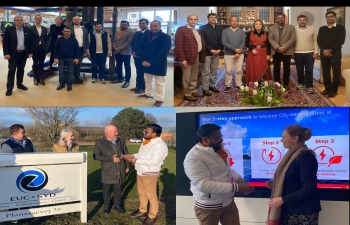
(212, 37)
(112, 173)
(9, 44)
(300, 194)
(19, 148)
(36, 38)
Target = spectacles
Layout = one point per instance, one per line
(217, 138)
(279, 18)
(146, 132)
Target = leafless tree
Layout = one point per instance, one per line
(49, 121)
(151, 118)
(106, 120)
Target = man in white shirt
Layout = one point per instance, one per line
(81, 34)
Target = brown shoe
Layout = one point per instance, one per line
(214, 89)
(191, 98)
(158, 104)
(196, 94)
(149, 221)
(207, 93)
(138, 215)
(227, 89)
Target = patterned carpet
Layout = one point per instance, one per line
(297, 98)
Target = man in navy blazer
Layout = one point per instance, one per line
(39, 47)
(17, 47)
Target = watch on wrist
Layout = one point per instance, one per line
(330, 50)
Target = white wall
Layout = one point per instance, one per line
(253, 211)
(183, 12)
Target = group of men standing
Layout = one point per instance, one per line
(149, 48)
(200, 49)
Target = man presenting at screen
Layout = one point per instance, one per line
(213, 187)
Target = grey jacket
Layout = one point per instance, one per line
(124, 43)
(104, 151)
(85, 37)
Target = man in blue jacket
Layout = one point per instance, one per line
(66, 55)
(155, 48)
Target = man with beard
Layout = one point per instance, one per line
(18, 142)
(148, 162)
(282, 37)
(109, 150)
(81, 34)
(207, 165)
(122, 50)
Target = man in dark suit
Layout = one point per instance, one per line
(282, 38)
(190, 51)
(136, 52)
(39, 47)
(81, 34)
(17, 47)
(211, 33)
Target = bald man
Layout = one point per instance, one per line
(190, 51)
(109, 150)
(81, 34)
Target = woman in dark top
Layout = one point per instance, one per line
(294, 198)
(55, 32)
(258, 54)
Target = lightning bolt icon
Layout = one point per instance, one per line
(322, 154)
(271, 155)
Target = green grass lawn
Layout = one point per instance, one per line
(166, 191)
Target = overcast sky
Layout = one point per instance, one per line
(94, 115)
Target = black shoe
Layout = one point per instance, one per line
(149, 221)
(106, 211)
(332, 94)
(126, 84)
(117, 81)
(325, 92)
(119, 209)
(59, 87)
(138, 215)
(285, 86)
(9, 92)
(41, 81)
(36, 82)
(69, 87)
(134, 89)
(21, 86)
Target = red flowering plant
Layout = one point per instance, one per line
(269, 93)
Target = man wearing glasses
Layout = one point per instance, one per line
(282, 37)
(213, 182)
(66, 55)
(148, 162)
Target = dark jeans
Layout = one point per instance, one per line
(120, 60)
(77, 67)
(52, 56)
(335, 63)
(38, 63)
(117, 194)
(62, 63)
(305, 62)
(18, 61)
(98, 60)
(277, 59)
(140, 79)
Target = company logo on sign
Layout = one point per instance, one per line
(32, 180)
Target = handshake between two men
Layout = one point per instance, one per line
(127, 157)
(245, 188)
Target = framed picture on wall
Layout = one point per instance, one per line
(340, 11)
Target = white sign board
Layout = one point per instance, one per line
(52, 183)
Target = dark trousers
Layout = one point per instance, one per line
(77, 67)
(120, 60)
(140, 79)
(335, 63)
(117, 194)
(305, 68)
(98, 60)
(63, 76)
(277, 59)
(52, 57)
(38, 63)
(17, 62)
